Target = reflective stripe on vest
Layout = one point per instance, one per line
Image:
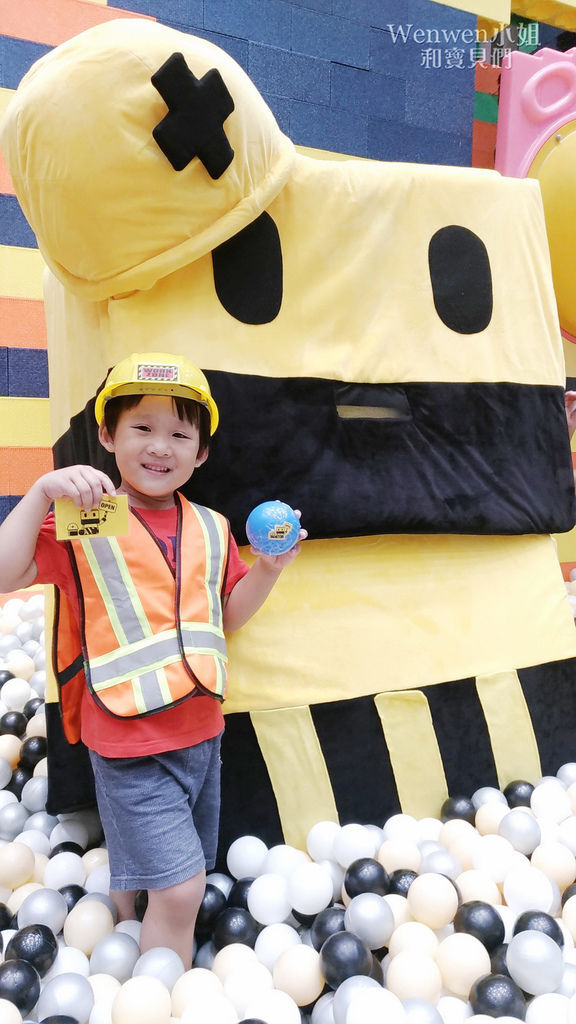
(143, 654)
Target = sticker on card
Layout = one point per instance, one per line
(108, 519)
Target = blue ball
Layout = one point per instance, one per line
(272, 528)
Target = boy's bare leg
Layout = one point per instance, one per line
(126, 905)
(170, 917)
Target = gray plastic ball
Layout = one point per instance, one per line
(67, 994)
(115, 954)
(345, 993)
(535, 962)
(161, 963)
(44, 906)
(13, 818)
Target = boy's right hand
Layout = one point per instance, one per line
(83, 484)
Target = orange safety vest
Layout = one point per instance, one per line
(149, 637)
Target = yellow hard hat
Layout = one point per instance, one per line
(157, 373)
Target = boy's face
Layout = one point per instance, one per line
(156, 452)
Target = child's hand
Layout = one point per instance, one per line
(570, 406)
(83, 484)
(279, 562)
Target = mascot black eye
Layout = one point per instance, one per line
(248, 272)
(461, 279)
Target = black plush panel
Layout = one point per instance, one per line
(452, 458)
(461, 279)
(357, 759)
(70, 777)
(248, 801)
(550, 692)
(197, 111)
(462, 736)
(248, 272)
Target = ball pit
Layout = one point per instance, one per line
(467, 916)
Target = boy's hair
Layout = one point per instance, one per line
(186, 409)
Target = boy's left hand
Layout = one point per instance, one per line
(279, 562)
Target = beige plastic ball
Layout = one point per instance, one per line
(460, 838)
(21, 664)
(41, 768)
(8, 622)
(414, 975)
(94, 858)
(232, 958)
(399, 853)
(142, 1000)
(86, 924)
(19, 895)
(413, 936)
(10, 748)
(556, 861)
(462, 959)
(16, 865)
(432, 899)
(477, 885)
(569, 916)
(399, 906)
(36, 726)
(297, 972)
(104, 987)
(9, 1014)
(489, 816)
(40, 862)
(196, 986)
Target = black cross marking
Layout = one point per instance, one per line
(197, 109)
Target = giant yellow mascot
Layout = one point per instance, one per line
(383, 345)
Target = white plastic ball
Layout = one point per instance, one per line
(268, 899)
(372, 1006)
(402, 826)
(548, 1008)
(310, 888)
(419, 1011)
(68, 961)
(35, 840)
(232, 958)
(273, 1007)
(240, 986)
(273, 940)
(346, 992)
(493, 856)
(549, 799)
(64, 869)
(283, 860)
(322, 1012)
(246, 856)
(352, 842)
(219, 1011)
(528, 889)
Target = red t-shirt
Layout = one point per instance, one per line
(196, 719)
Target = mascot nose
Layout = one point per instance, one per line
(197, 109)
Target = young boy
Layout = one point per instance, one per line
(151, 712)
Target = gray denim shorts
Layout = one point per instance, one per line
(160, 814)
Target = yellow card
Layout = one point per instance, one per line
(108, 519)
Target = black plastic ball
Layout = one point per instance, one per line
(59, 1018)
(326, 923)
(19, 984)
(481, 920)
(235, 924)
(13, 723)
(20, 776)
(238, 895)
(213, 903)
(6, 916)
(141, 903)
(518, 793)
(252, 1020)
(377, 972)
(342, 956)
(401, 880)
(538, 921)
(66, 847)
(32, 751)
(31, 706)
(569, 891)
(5, 675)
(366, 875)
(458, 807)
(36, 944)
(498, 963)
(497, 995)
(72, 894)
